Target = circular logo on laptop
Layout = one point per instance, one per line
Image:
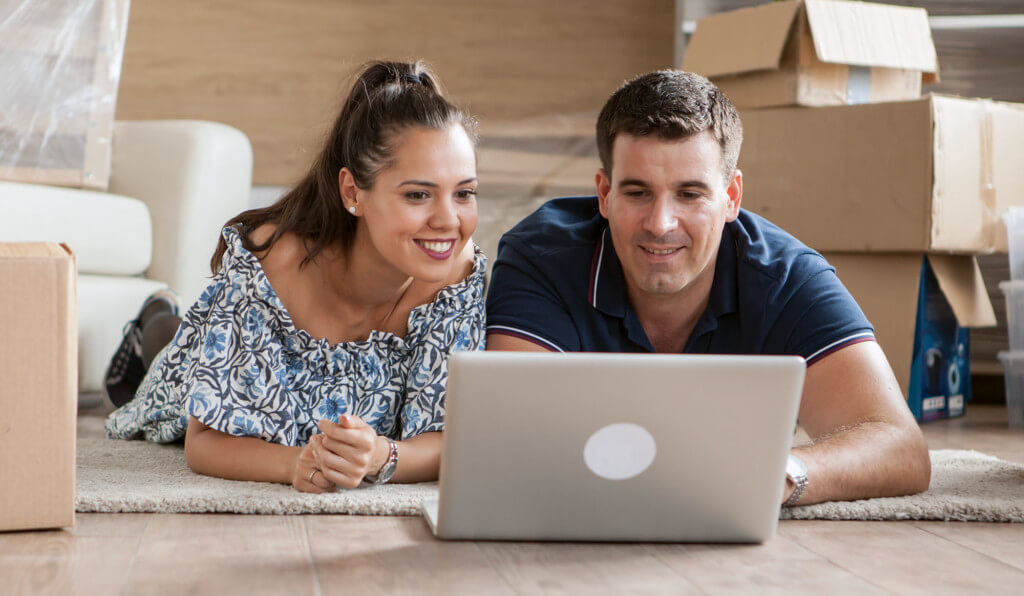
(619, 451)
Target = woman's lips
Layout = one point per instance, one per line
(437, 249)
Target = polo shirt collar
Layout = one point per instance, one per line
(607, 292)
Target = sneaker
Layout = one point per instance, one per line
(126, 369)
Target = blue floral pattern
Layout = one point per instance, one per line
(239, 365)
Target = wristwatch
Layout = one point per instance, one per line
(383, 476)
(796, 470)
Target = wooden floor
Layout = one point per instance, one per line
(324, 554)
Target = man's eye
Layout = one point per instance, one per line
(635, 193)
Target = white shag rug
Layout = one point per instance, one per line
(137, 476)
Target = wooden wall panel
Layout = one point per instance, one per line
(277, 69)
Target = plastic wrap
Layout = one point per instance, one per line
(60, 65)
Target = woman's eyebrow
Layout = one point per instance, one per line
(434, 184)
(419, 183)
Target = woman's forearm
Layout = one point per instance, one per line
(419, 458)
(213, 453)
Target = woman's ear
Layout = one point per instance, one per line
(348, 190)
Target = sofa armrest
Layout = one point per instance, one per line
(193, 176)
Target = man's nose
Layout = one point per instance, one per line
(662, 219)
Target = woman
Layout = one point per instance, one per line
(318, 354)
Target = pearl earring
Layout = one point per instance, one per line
(352, 210)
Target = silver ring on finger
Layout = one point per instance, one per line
(311, 474)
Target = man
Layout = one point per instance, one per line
(664, 260)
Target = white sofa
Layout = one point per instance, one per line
(173, 184)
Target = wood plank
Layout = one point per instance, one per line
(1002, 542)
(61, 563)
(121, 525)
(552, 567)
(778, 566)
(901, 557)
(363, 554)
(217, 554)
(983, 428)
(502, 166)
(279, 70)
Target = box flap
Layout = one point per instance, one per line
(885, 286)
(959, 277)
(868, 34)
(741, 40)
(33, 250)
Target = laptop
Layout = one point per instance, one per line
(615, 447)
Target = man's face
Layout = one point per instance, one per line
(666, 203)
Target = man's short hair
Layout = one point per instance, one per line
(672, 105)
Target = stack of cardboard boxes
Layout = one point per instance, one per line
(898, 191)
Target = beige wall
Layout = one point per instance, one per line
(278, 69)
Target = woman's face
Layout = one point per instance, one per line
(421, 211)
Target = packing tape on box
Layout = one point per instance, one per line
(987, 192)
(858, 85)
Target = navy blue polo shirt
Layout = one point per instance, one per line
(558, 282)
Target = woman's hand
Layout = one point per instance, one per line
(307, 475)
(351, 451)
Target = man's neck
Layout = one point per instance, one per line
(669, 319)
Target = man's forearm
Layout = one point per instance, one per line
(870, 459)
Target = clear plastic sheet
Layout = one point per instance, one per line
(60, 65)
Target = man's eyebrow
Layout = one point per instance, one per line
(684, 184)
(694, 184)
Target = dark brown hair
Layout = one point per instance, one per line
(671, 105)
(386, 99)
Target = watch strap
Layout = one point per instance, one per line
(388, 469)
(800, 480)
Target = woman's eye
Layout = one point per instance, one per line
(417, 195)
(466, 194)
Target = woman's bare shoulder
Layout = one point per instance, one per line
(283, 256)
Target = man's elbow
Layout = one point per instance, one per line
(917, 472)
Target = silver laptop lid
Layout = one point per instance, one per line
(616, 447)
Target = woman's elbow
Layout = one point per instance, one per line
(194, 444)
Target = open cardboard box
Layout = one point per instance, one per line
(921, 306)
(815, 53)
(934, 174)
(39, 388)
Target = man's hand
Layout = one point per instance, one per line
(351, 450)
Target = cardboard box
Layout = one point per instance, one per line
(815, 53)
(921, 306)
(934, 174)
(38, 394)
